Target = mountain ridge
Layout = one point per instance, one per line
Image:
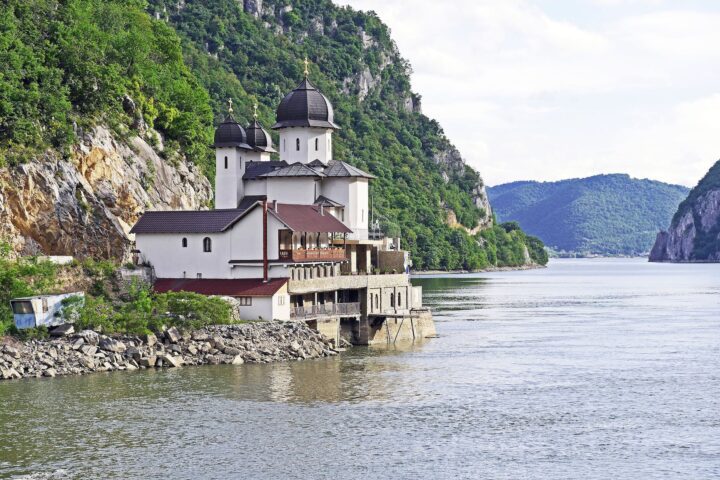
(606, 214)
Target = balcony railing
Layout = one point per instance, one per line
(313, 254)
(325, 310)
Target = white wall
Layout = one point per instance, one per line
(166, 253)
(353, 193)
(299, 190)
(307, 136)
(246, 242)
(243, 242)
(228, 181)
(276, 307)
(253, 156)
(256, 187)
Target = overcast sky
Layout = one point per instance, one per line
(552, 89)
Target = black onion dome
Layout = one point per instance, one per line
(305, 107)
(258, 138)
(230, 134)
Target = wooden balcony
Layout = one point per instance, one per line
(325, 310)
(313, 255)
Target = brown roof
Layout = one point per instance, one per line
(307, 218)
(241, 287)
(194, 221)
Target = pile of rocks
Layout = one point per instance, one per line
(88, 351)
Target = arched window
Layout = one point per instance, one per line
(317, 145)
(399, 299)
(184, 242)
(226, 163)
(207, 244)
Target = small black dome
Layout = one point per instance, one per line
(258, 138)
(305, 107)
(230, 134)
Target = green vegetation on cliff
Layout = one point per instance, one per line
(602, 215)
(76, 63)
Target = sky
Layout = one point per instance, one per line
(554, 89)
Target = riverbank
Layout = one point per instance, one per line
(89, 351)
(484, 270)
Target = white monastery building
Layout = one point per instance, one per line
(289, 238)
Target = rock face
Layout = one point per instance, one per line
(260, 342)
(453, 165)
(95, 194)
(694, 234)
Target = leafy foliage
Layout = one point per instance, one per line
(72, 64)
(21, 278)
(75, 60)
(604, 214)
(144, 312)
(380, 134)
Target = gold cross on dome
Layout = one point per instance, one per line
(307, 64)
(230, 110)
(255, 111)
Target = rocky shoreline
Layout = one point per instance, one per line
(88, 351)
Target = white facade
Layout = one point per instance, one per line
(229, 169)
(170, 258)
(276, 307)
(297, 190)
(305, 144)
(353, 193)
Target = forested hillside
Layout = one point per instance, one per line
(157, 76)
(600, 215)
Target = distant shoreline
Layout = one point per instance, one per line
(420, 273)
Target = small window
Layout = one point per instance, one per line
(392, 300)
(377, 301)
(184, 242)
(226, 163)
(245, 301)
(297, 144)
(281, 299)
(399, 299)
(23, 307)
(207, 245)
(284, 145)
(317, 144)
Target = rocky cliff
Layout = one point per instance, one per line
(694, 234)
(85, 203)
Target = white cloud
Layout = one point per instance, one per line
(530, 92)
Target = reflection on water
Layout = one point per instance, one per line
(587, 369)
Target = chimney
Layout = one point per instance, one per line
(274, 207)
(265, 241)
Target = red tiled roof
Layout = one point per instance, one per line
(241, 287)
(307, 218)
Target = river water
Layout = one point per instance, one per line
(589, 369)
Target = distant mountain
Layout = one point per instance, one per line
(600, 215)
(694, 234)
